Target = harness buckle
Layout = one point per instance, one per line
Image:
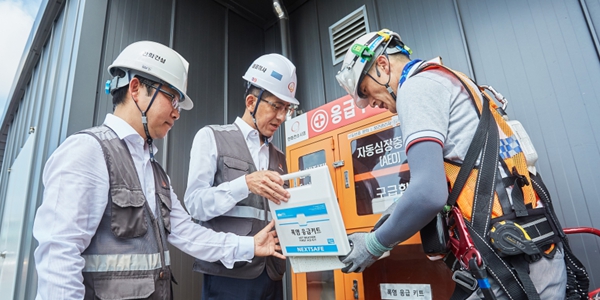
(465, 279)
(521, 180)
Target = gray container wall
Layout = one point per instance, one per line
(196, 25)
(549, 68)
(128, 22)
(219, 45)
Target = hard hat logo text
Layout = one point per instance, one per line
(155, 57)
(259, 67)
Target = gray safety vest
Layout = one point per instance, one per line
(128, 257)
(250, 215)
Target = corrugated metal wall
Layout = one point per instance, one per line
(306, 52)
(220, 45)
(206, 78)
(592, 10)
(541, 56)
(128, 22)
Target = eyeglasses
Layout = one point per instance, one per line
(175, 99)
(280, 108)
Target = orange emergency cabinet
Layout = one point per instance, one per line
(364, 151)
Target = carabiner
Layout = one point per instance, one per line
(497, 95)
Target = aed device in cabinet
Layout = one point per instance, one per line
(364, 152)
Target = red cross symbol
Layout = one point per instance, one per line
(319, 120)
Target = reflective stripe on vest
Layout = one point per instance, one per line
(124, 262)
(248, 212)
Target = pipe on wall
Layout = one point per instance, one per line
(590, 24)
(284, 31)
(284, 28)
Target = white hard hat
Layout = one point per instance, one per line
(153, 61)
(276, 74)
(361, 56)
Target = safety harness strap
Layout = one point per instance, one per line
(521, 267)
(514, 280)
(517, 181)
(462, 292)
(509, 281)
(486, 142)
(470, 158)
(503, 273)
(578, 281)
(501, 191)
(484, 197)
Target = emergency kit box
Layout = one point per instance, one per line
(310, 226)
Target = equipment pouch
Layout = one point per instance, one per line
(434, 236)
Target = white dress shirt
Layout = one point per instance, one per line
(204, 201)
(76, 194)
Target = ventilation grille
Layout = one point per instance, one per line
(345, 31)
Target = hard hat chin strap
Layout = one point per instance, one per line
(145, 121)
(253, 114)
(387, 84)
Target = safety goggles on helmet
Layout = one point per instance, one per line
(361, 56)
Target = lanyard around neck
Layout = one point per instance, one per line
(406, 69)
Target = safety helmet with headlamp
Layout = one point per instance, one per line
(152, 61)
(361, 56)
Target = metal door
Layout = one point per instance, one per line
(313, 285)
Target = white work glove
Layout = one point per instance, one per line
(365, 251)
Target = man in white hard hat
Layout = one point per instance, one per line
(234, 170)
(439, 112)
(109, 211)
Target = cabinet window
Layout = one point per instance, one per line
(380, 170)
(310, 161)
